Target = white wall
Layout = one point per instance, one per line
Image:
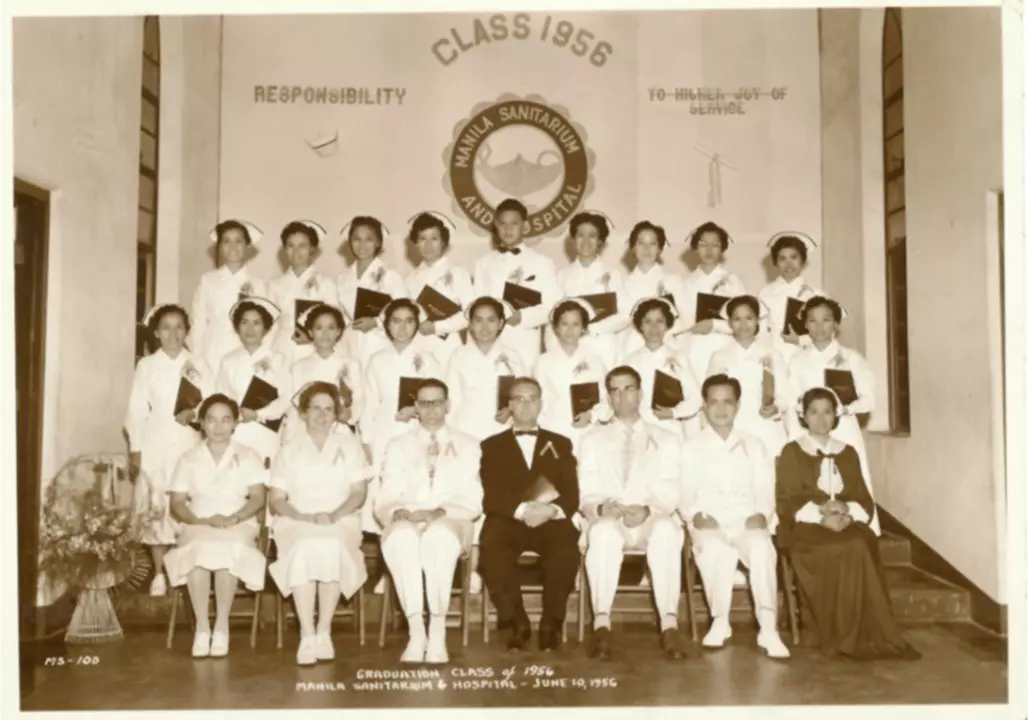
(391, 159)
(939, 481)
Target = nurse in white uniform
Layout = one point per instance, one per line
(301, 241)
(706, 336)
(365, 238)
(318, 485)
(328, 363)
(652, 319)
(212, 336)
(473, 375)
(789, 251)
(589, 275)
(822, 317)
(571, 362)
(258, 429)
(157, 436)
(649, 278)
(217, 492)
(761, 371)
(430, 232)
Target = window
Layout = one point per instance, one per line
(895, 221)
(149, 139)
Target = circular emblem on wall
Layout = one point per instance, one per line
(523, 148)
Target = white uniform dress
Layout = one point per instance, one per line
(701, 347)
(155, 434)
(775, 296)
(646, 362)
(730, 480)
(634, 464)
(237, 370)
(377, 277)
(217, 489)
(212, 336)
(453, 282)
(319, 481)
(807, 370)
(425, 471)
(531, 269)
(332, 369)
(655, 282)
(747, 366)
(473, 378)
(556, 372)
(602, 338)
(284, 291)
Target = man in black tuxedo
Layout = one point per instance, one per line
(530, 481)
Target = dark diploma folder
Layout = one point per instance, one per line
(584, 397)
(436, 305)
(542, 490)
(503, 387)
(520, 296)
(841, 381)
(793, 321)
(708, 306)
(369, 303)
(408, 392)
(188, 398)
(260, 394)
(303, 306)
(604, 304)
(667, 391)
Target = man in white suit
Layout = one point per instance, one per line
(428, 501)
(629, 477)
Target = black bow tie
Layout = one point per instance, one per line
(513, 251)
(519, 433)
(824, 455)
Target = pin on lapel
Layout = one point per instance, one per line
(451, 450)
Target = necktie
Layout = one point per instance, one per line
(519, 433)
(513, 251)
(433, 458)
(626, 456)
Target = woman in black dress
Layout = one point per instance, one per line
(824, 509)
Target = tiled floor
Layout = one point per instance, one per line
(961, 664)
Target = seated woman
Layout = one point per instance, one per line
(216, 492)
(318, 485)
(824, 509)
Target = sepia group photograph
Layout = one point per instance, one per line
(387, 357)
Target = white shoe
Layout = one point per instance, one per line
(219, 644)
(435, 653)
(202, 644)
(323, 647)
(475, 586)
(159, 585)
(415, 652)
(771, 643)
(720, 631)
(380, 586)
(307, 653)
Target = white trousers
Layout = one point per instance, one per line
(660, 537)
(412, 554)
(718, 553)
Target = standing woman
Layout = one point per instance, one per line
(761, 371)
(212, 336)
(430, 232)
(216, 493)
(301, 241)
(589, 275)
(570, 363)
(365, 237)
(648, 279)
(652, 319)
(158, 435)
(807, 370)
(789, 252)
(473, 375)
(318, 485)
(324, 325)
(255, 360)
(702, 287)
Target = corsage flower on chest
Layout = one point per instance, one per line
(723, 282)
(262, 366)
(503, 362)
(190, 373)
(246, 289)
(418, 363)
(671, 364)
(377, 276)
(447, 279)
(312, 284)
(517, 275)
(580, 368)
(839, 361)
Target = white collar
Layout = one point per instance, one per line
(810, 446)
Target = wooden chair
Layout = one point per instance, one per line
(791, 596)
(538, 589)
(465, 565)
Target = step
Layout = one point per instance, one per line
(894, 550)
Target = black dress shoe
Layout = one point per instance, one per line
(549, 636)
(672, 645)
(600, 647)
(519, 638)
